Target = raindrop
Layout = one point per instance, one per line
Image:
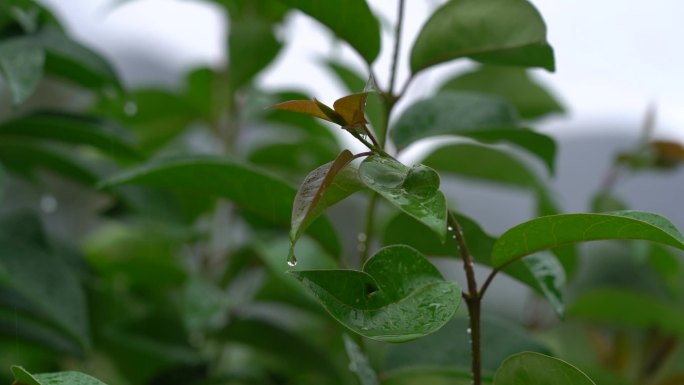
(130, 108)
(469, 331)
(361, 237)
(48, 203)
(291, 260)
(453, 236)
(450, 228)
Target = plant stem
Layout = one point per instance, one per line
(473, 300)
(364, 244)
(397, 43)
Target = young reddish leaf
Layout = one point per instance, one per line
(668, 152)
(332, 114)
(308, 107)
(352, 108)
(312, 197)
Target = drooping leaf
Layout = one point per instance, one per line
(399, 295)
(348, 111)
(491, 31)
(24, 158)
(352, 109)
(73, 61)
(414, 190)
(21, 65)
(515, 85)
(23, 377)
(452, 113)
(544, 274)
(449, 348)
(308, 107)
(252, 46)
(628, 308)
(559, 230)
(102, 134)
(537, 369)
(359, 363)
(247, 187)
(323, 187)
(351, 21)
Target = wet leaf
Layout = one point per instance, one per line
(413, 190)
(359, 363)
(559, 230)
(537, 369)
(490, 31)
(399, 295)
(323, 187)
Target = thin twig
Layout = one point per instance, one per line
(397, 44)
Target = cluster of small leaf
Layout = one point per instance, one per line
(143, 234)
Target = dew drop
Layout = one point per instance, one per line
(291, 260)
(362, 237)
(469, 331)
(450, 228)
(48, 203)
(130, 108)
(453, 236)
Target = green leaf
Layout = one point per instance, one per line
(509, 32)
(296, 158)
(351, 21)
(620, 307)
(261, 194)
(450, 113)
(252, 46)
(544, 274)
(399, 295)
(322, 188)
(482, 117)
(537, 369)
(104, 135)
(559, 230)
(71, 60)
(449, 348)
(24, 158)
(515, 85)
(413, 190)
(358, 363)
(23, 377)
(21, 64)
(47, 285)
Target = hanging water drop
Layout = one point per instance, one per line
(291, 260)
(469, 331)
(450, 228)
(130, 108)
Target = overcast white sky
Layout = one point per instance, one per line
(613, 56)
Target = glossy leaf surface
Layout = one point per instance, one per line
(413, 190)
(399, 295)
(351, 21)
(23, 377)
(322, 188)
(515, 85)
(251, 189)
(560, 230)
(21, 65)
(491, 31)
(451, 113)
(537, 369)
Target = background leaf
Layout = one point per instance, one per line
(537, 369)
(23, 377)
(251, 189)
(351, 21)
(490, 31)
(21, 65)
(515, 85)
(252, 46)
(399, 295)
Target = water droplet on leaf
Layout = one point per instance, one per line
(130, 108)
